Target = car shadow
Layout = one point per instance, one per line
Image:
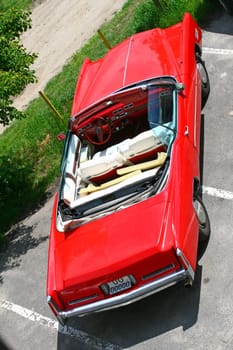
(218, 21)
(149, 318)
(203, 245)
(3, 345)
(202, 150)
(18, 241)
(127, 326)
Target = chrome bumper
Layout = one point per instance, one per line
(123, 299)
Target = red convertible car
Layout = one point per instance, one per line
(128, 216)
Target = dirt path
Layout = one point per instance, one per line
(60, 28)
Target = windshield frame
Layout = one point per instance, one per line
(79, 119)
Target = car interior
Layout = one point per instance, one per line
(115, 154)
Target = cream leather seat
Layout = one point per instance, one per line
(104, 164)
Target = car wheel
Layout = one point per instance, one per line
(203, 219)
(205, 83)
(228, 6)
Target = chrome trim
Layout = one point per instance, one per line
(127, 298)
(56, 310)
(157, 272)
(185, 261)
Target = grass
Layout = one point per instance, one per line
(29, 153)
(5, 4)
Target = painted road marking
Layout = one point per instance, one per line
(217, 51)
(215, 192)
(83, 337)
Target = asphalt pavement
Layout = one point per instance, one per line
(177, 318)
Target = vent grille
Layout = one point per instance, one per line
(158, 272)
(81, 300)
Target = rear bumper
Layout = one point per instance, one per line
(124, 299)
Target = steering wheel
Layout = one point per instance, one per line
(98, 131)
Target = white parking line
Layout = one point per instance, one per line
(215, 192)
(93, 342)
(217, 51)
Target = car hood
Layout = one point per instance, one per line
(113, 242)
(142, 56)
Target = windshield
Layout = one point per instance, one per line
(162, 112)
(147, 105)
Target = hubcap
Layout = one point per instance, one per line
(202, 73)
(200, 213)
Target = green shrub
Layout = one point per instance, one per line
(146, 16)
(163, 13)
(20, 4)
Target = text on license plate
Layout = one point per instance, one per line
(119, 285)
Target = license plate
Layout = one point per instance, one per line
(119, 285)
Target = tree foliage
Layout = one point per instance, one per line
(15, 61)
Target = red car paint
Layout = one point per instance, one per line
(143, 239)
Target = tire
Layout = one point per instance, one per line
(205, 82)
(228, 6)
(203, 219)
